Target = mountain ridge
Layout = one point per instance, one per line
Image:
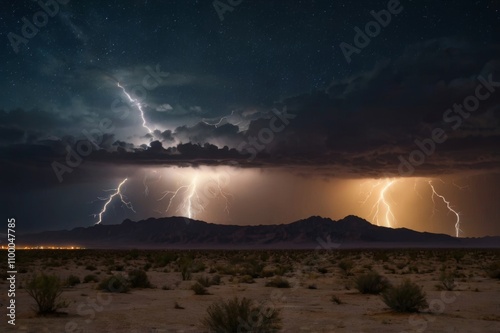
(312, 232)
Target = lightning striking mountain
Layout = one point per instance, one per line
(448, 206)
(108, 200)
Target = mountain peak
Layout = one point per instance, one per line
(180, 232)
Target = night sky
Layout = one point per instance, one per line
(251, 112)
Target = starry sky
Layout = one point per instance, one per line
(251, 112)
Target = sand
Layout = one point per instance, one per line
(307, 306)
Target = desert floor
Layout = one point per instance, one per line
(321, 297)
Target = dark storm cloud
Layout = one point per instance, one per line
(359, 126)
(226, 134)
(9, 135)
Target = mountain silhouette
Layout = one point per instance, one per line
(314, 232)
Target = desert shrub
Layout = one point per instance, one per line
(119, 268)
(278, 282)
(138, 279)
(226, 269)
(185, 266)
(322, 270)
(380, 256)
(335, 299)
(493, 271)
(371, 283)
(267, 273)
(72, 280)
(115, 284)
(246, 279)
(447, 281)
(198, 266)
(252, 268)
(346, 266)
(283, 269)
(134, 253)
(204, 281)
(90, 278)
(243, 315)
(199, 289)
(165, 259)
(90, 268)
(215, 280)
(46, 291)
(458, 255)
(405, 297)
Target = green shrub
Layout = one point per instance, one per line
(185, 266)
(115, 284)
(243, 315)
(346, 266)
(138, 279)
(447, 281)
(278, 282)
(197, 266)
(72, 280)
(204, 281)
(406, 297)
(165, 259)
(90, 278)
(371, 283)
(199, 289)
(46, 291)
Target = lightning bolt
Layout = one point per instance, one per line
(137, 104)
(448, 206)
(381, 211)
(225, 195)
(146, 183)
(187, 195)
(193, 197)
(220, 122)
(118, 192)
(383, 204)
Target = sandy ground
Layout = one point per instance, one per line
(474, 305)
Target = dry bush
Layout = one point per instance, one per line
(46, 291)
(243, 315)
(405, 297)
